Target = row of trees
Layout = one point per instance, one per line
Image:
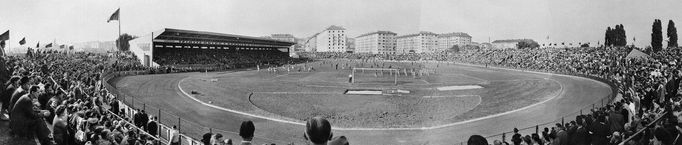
(615, 36)
(657, 35)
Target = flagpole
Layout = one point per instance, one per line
(119, 29)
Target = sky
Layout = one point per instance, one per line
(73, 21)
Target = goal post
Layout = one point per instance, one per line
(356, 72)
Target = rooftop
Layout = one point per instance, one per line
(377, 32)
(334, 27)
(417, 34)
(455, 34)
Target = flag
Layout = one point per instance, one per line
(48, 45)
(61, 46)
(114, 16)
(37, 45)
(4, 36)
(71, 47)
(23, 41)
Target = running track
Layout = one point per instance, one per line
(578, 93)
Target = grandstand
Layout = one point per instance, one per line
(175, 47)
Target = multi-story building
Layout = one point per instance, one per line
(448, 40)
(332, 39)
(422, 42)
(350, 45)
(379, 42)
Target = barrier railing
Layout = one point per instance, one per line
(190, 132)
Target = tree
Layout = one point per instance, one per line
(454, 48)
(615, 36)
(125, 37)
(607, 37)
(656, 36)
(672, 34)
(527, 43)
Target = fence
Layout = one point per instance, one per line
(190, 132)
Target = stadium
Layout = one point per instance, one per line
(385, 101)
(194, 87)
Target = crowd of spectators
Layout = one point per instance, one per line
(59, 98)
(648, 86)
(219, 57)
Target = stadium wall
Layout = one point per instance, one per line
(143, 49)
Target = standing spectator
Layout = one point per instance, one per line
(561, 135)
(616, 119)
(246, 132)
(516, 138)
(175, 136)
(581, 136)
(20, 91)
(26, 121)
(9, 88)
(152, 127)
(600, 131)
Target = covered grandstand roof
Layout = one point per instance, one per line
(180, 36)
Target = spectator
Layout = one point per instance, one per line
(152, 127)
(246, 132)
(477, 140)
(175, 136)
(561, 135)
(600, 131)
(206, 138)
(6, 96)
(318, 131)
(516, 138)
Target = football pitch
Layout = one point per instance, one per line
(437, 98)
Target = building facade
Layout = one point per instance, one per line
(332, 39)
(422, 42)
(447, 40)
(379, 42)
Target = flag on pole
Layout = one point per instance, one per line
(4, 36)
(61, 46)
(71, 47)
(48, 45)
(114, 16)
(22, 41)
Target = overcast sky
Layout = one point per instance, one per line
(72, 21)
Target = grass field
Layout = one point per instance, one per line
(296, 95)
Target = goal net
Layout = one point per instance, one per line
(374, 75)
